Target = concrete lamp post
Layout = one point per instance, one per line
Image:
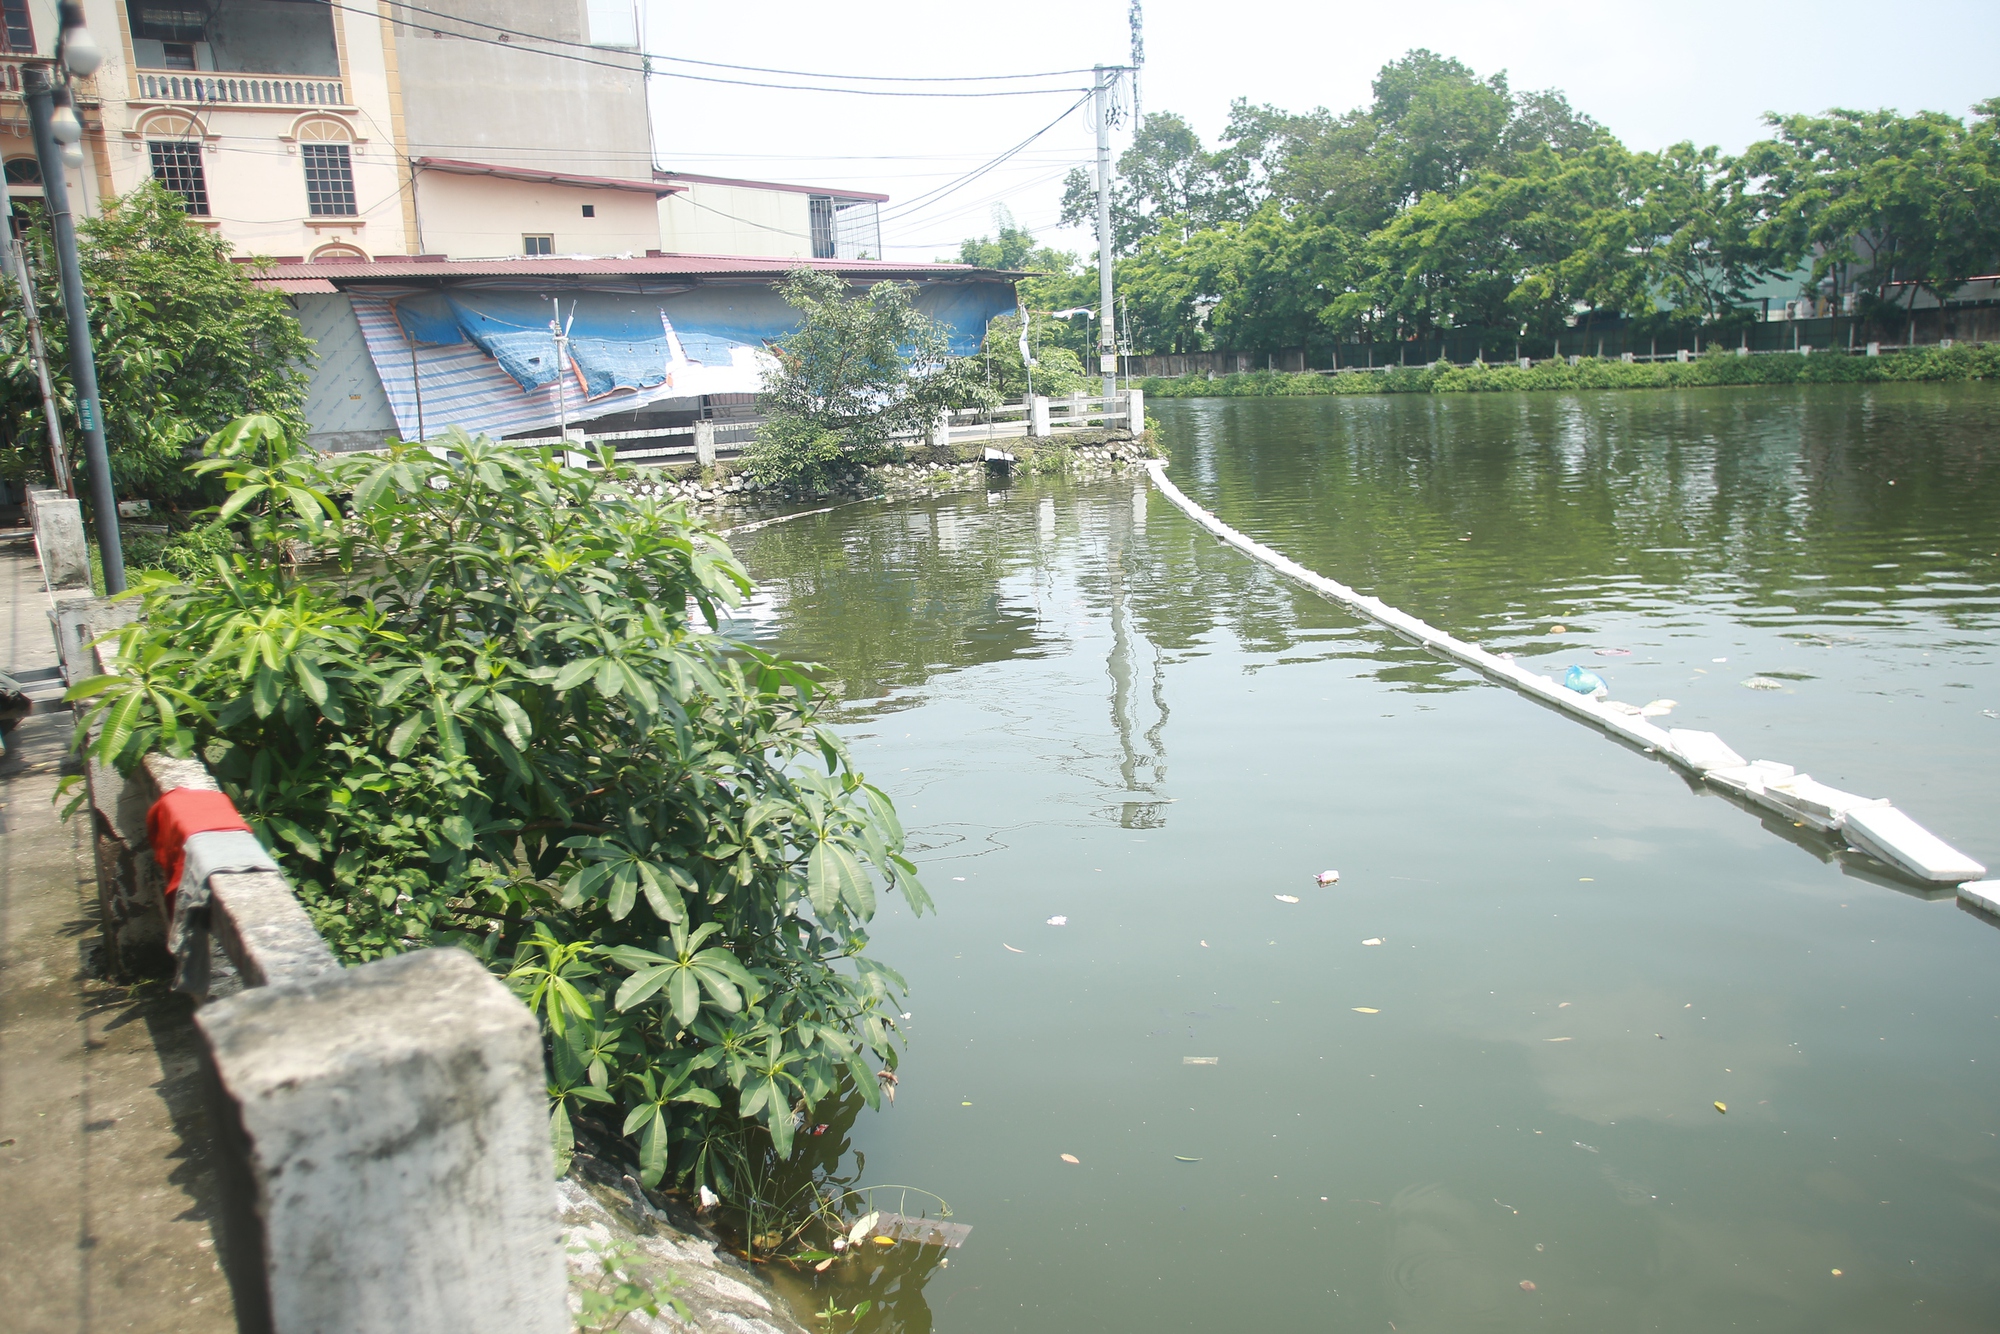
(58, 145)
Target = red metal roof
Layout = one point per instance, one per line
(298, 286)
(768, 185)
(657, 189)
(652, 265)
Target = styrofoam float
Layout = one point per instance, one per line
(1870, 824)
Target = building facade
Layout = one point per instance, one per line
(370, 129)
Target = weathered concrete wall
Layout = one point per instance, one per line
(58, 525)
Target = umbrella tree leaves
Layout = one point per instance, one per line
(490, 715)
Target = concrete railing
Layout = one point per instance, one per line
(240, 89)
(383, 1126)
(57, 523)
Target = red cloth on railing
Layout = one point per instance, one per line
(179, 815)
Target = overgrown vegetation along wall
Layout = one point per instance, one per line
(1717, 368)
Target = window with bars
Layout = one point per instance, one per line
(20, 30)
(177, 166)
(329, 180)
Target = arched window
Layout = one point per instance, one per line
(325, 148)
(338, 252)
(24, 171)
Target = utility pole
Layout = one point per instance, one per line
(1107, 326)
(39, 94)
(14, 260)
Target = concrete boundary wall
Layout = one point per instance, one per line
(384, 1125)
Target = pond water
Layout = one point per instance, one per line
(1490, 1056)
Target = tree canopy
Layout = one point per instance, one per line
(1453, 201)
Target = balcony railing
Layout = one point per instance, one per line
(240, 90)
(10, 82)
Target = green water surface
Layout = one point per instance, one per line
(1086, 708)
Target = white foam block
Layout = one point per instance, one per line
(1901, 841)
(1982, 894)
(1704, 750)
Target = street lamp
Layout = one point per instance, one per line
(58, 146)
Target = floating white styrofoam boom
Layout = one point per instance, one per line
(1981, 894)
(1869, 823)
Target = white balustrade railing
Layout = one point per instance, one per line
(240, 90)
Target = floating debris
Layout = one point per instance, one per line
(1071, 1159)
(1763, 683)
(1286, 898)
(1721, 1108)
(1527, 1285)
(1558, 629)
(1585, 682)
(1327, 878)
(1366, 1009)
(1005, 945)
(1374, 940)
(1612, 652)
(1201, 1060)
(1058, 921)
(1179, 1158)
(1659, 708)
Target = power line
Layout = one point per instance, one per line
(903, 210)
(754, 69)
(645, 68)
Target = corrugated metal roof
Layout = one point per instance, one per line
(657, 189)
(392, 268)
(298, 286)
(768, 185)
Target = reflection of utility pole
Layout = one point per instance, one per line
(1141, 773)
(14, 260)
(1107, 348)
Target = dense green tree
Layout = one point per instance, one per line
(184, 341)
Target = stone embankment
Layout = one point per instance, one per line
(730, 486)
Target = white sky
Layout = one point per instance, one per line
(1700, 70)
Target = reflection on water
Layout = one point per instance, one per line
(1579, 952)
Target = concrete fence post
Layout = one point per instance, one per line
(59, 538)
(704, 443)
(1038, 416)
(1135, 407)
(940, 432)
(1874, 349)
(397, 1148)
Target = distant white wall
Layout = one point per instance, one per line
(736, 220)
(485, 217)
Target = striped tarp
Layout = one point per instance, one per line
(464, 387)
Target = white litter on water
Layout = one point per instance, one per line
(1058, 921)
(1286, 898)
(1328, 877)
(1869, 823)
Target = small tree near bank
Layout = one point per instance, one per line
(859, 370)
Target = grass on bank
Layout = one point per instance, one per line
(1720, 367)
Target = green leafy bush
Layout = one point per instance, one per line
(857, 371)
(488, 716)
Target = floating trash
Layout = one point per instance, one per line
(1613, 652)
(1201, 1060)
(1327, 878)
(1721, 1108)
(1366, 1009)
(1058, 921)
(1659, 708)
(1180, 1158)
(1005, 945)
(1527, 1285)
(1373, 940)
(1763, 683)
(1585, 682)
(1286, 898)
(1558, 629)
(1072, 1159)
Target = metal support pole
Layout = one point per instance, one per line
(14, 259)
(38, 94)
(1107, 329)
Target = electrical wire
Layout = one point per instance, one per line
(753, 69)
(644, 67)
(903, 210)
